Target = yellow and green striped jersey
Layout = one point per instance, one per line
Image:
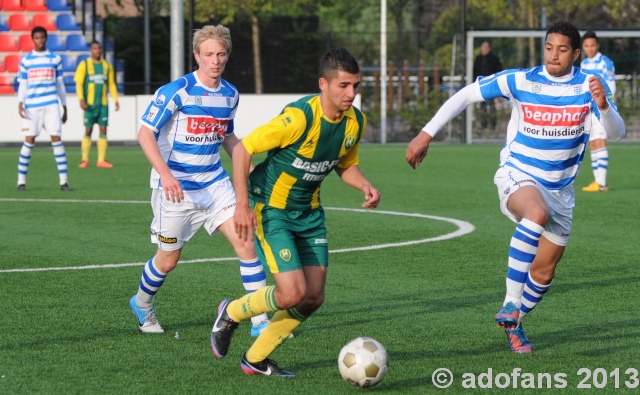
(92, 79)
(303, 147)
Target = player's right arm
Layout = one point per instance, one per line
(81, 72)
(244, 219)
(170, 185)
(418, 147)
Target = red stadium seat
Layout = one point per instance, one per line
(6, 85)
(19, 23)
(26, 43)
(35, 5)
(46, 21)
(12, 63)
(12, 5)
(8, 43)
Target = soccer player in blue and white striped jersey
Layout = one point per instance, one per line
(555, 107)
(40, 93)
(181, 133)
(598, 64)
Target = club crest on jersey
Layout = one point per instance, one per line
(153, 111)
(577, 89)
(228, 101)
(285, 254)
(198, 100)
(536, 87)
(349, 141)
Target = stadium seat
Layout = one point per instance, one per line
(81, 58)
(8, 43)
(67, 63)
(12, 5)
(35, 6)
(58, 5)
(3, 24)
(6, 86)
(77, 42)
(56, 43)
(67, 22)
(69, 84)
(12, 63)
(19, 23)
(25, 43)
(46, 21)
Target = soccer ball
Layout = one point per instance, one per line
(363, 362)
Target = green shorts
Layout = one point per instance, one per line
(288, 240)
(96, 113)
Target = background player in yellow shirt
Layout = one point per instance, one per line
(92, 76)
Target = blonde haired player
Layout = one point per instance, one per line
(181, 133)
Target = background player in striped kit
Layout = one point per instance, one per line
(554, 108)
(181, 133)
(40, 93)
(603, 66)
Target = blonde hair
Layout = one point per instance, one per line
(217, 33)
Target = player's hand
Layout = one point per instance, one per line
(117, 106)
(372, 197)
(244, 221)
(598, 92)
(83, 104)
(417, 149)
(64, 114)
(21, 111)
(172, 188)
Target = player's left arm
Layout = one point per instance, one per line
(113, 89)
(609, 115)
(352, 176)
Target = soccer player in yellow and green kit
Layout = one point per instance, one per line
(93, 76)
(280, 201)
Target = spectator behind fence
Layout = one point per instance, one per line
(484, 65)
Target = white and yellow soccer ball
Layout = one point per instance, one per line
(363, 362)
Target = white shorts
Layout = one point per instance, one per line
(175, 223)
(597, 132)
(559, 203)
(47, 118)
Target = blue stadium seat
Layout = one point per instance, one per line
(4, 27)
(81, 58)
(67, 63)
(69, 84)
(56, 42)
(77, 42)
(67, 22)
(58, 5)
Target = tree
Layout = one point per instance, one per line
(228, 10)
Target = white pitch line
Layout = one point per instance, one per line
(463, 229)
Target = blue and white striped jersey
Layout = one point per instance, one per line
(550, 121)
(40, 71)
(602, 65)
(190, 122)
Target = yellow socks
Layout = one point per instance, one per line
(102, 147)
(260, 301)
(86, 148)
(284, 322)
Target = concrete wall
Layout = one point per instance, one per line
(253, 111)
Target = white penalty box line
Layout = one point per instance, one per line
(463, 228)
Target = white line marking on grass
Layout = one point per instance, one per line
(463, 229)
